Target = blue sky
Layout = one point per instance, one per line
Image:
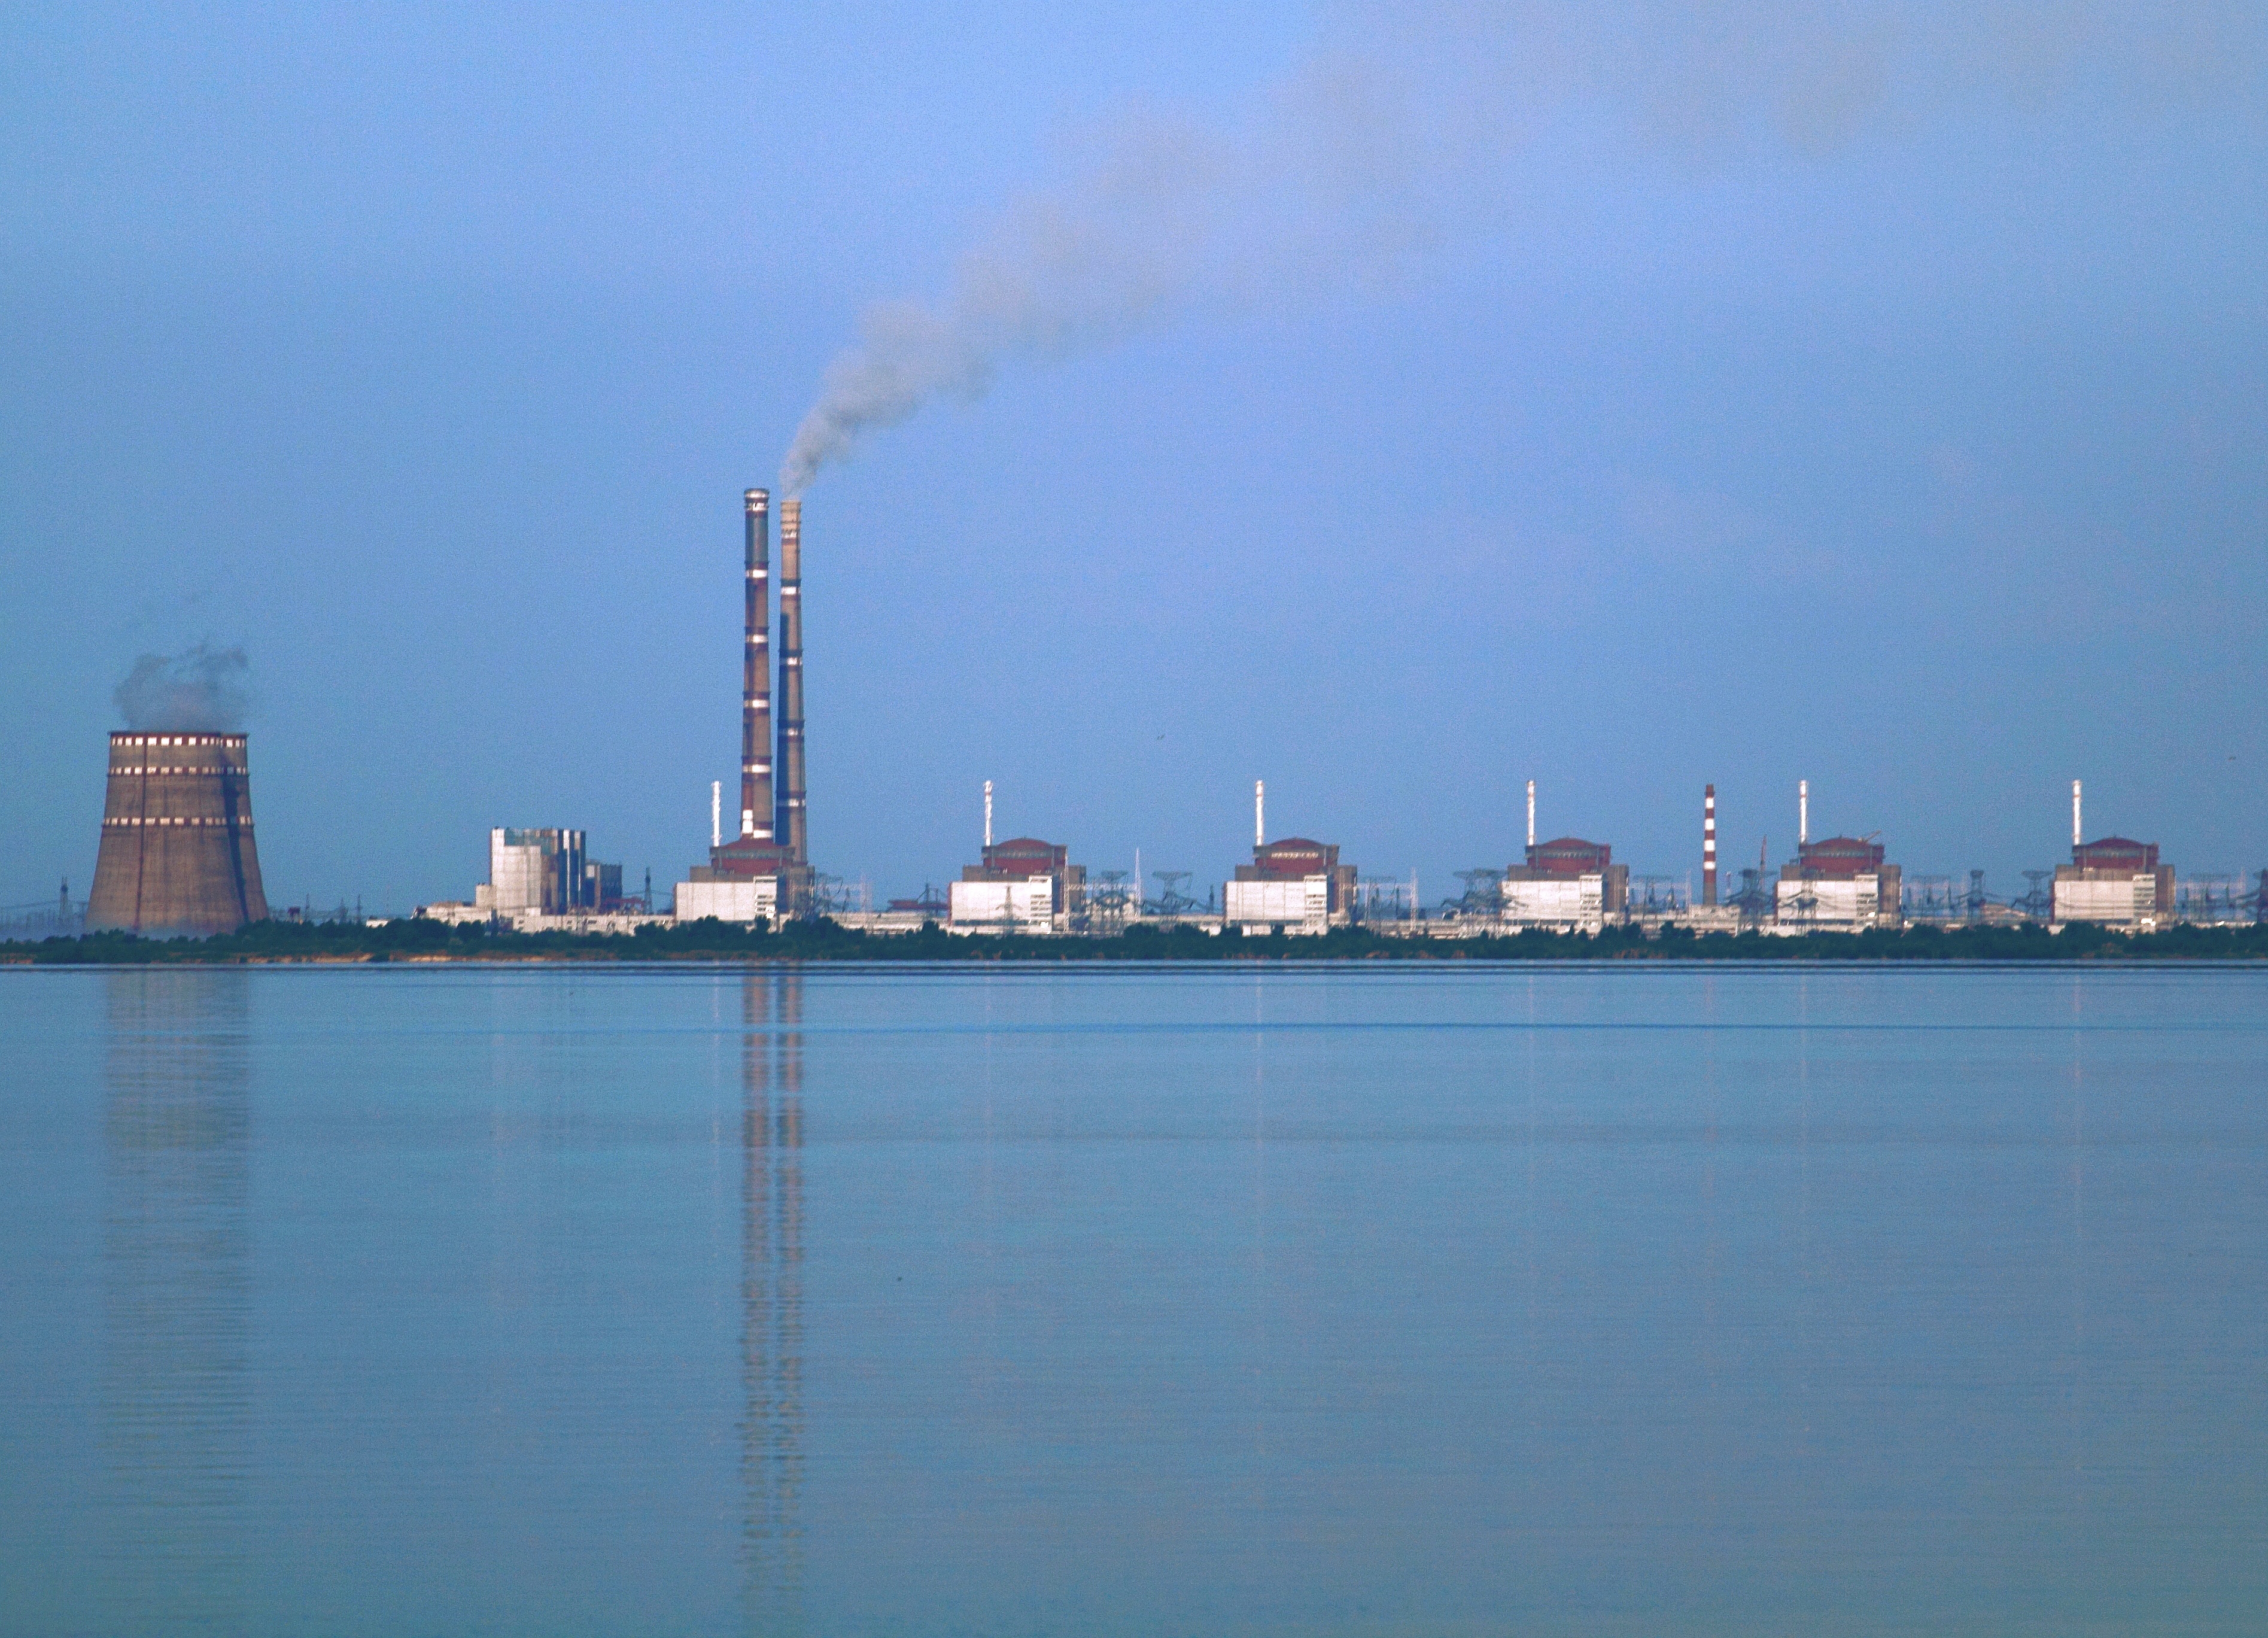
(1432, 398)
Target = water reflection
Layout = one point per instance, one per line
(771, 1300)
(176, 1412)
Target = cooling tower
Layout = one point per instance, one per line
(177, 855)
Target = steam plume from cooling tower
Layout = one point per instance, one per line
(201, 689)
(1361, 158)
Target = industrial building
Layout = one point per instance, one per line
(1567, 885)
(1294, 885)
(1023, 885)
(545, 871)
(177, 856)
(764, 872)
(1838, 885)
(540, 880)
(2115, 883)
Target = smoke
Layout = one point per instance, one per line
(1364, 157)
(200, 690)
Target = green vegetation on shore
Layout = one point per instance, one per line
(823, 941)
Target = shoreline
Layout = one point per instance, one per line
(413, 943)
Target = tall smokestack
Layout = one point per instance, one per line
(2077, 837)
(1802, 812)
(1531, 816)
(791, 819)
(756, 674)
(1708, 845)
(1259, 813)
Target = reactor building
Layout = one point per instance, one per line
(1022, 885)
(1838, 885)
(1567, 885)
(1292, 884)
(177, 856)
(764, 871)
(2115, 882)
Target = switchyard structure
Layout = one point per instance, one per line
(1294, 884)
(177, 856)
(764, 872)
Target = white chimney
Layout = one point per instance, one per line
(1803, 812)
(1259, 813)
(988, 813)
(1531, 812)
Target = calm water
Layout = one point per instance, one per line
(1414, 1302)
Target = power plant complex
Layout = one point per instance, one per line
(177, 855)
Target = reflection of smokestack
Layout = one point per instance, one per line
(1531, 815)
(1259, 813)
(1803, 812)
(1708, 845)
(756, 675)
(792, 833)
(2077, 836)
(177, 854)
(771, 1302)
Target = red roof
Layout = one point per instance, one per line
(1839, 856)
(2116, 852)
(1570, 856)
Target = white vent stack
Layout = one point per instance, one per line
(1802, 812)
(1260, 813)
(1531, 812)
(988, 813)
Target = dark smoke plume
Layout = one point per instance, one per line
(200, 690)
(1352, 162)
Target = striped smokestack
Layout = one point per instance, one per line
(756, 675)
(792, 820)
(1708, 845)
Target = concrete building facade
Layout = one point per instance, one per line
(1023, 885)
(2115, 883)
(1567, 885)
(1295, 883)
(1841, 884)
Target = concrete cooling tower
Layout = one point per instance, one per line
(177, 856)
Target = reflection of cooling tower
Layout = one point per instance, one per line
(177, 854)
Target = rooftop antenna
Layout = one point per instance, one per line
(988, 813)
(1259, 814)
(1531, 814)
(1803, 812)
